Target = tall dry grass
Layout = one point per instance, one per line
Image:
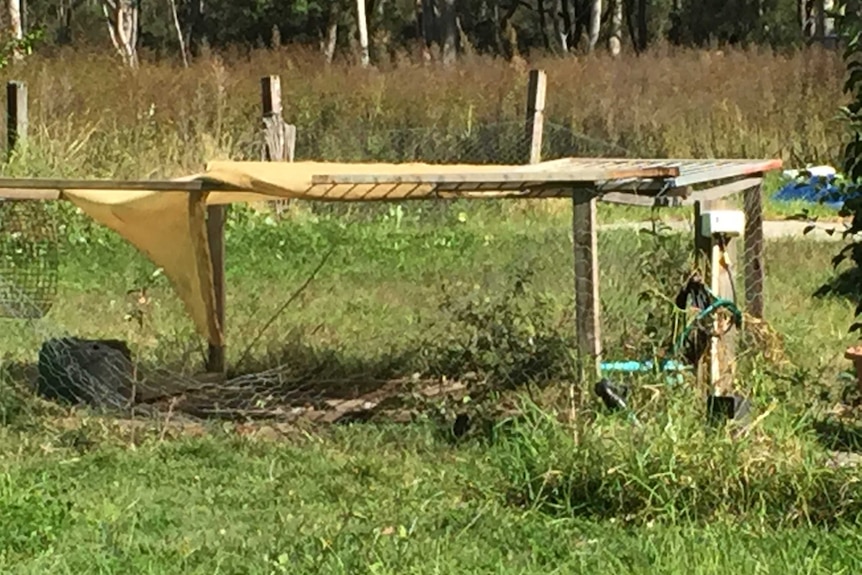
(90, 117)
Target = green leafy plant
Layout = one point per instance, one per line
(24, 46)
(847, 189)
(664, 268)
(506, 338)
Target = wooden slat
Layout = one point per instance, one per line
(510, 174)
(724, 171)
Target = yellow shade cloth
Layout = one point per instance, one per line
(170, 227)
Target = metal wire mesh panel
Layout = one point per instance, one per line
(29, 259)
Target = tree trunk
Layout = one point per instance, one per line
(448, 26)
(581, 12)
(615, 43)
(16, 28)
(819, 19)
(196, 33)
(362, 24)
(543, 24)
(64, 14)
(330, 40)
(826, 8)
(429, 27)
(121, 17)
(595, 23)
(562, 24)
(173, 6)
(809, 27)
(643, 25)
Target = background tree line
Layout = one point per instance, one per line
(375, 30)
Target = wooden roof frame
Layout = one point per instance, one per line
(638, 182)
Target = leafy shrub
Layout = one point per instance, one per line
(507, 338)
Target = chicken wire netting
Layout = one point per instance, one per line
(29, 259)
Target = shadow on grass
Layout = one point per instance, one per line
(839, 436)
(295, 381)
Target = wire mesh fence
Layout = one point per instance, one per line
(338, 311)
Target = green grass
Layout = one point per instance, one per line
(359, 499)
(82, 495)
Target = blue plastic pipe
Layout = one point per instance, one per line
(632, 366)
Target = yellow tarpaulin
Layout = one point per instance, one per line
(170, 227)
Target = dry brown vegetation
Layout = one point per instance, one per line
(88, 116)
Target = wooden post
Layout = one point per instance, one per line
(216, 361)
(279, 138)
(536, 91)
(16, 115)
(586, 264)
(722, 352)
(754, 264)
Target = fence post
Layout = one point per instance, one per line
(216, 360)
(586, 264)
(16, 115)
(279, 138)
(753, 240)
(535, 122)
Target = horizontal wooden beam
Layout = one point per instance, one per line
(680, 196)
(719, 192)
(628, 199)
(130, 185)
(27, 194)
(51, 190)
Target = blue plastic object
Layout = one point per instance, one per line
(633, 366)
(818, 189)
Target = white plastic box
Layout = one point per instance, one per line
(722, 222)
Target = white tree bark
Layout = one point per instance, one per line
(16, 28)
(559, 27)
(179, 29)
(121, 17)
(615, 43)
(595, 23)
(362, 23)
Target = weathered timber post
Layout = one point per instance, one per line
(755, 271)
(722, 353)
(16, 116)
(537, 88)
(279, 138)
(586, 264)
(216, 358)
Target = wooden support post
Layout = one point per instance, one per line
(536, 91)
(586, 263)
(216, 361)
(721, 281)
(754, 263)
(16, 116)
